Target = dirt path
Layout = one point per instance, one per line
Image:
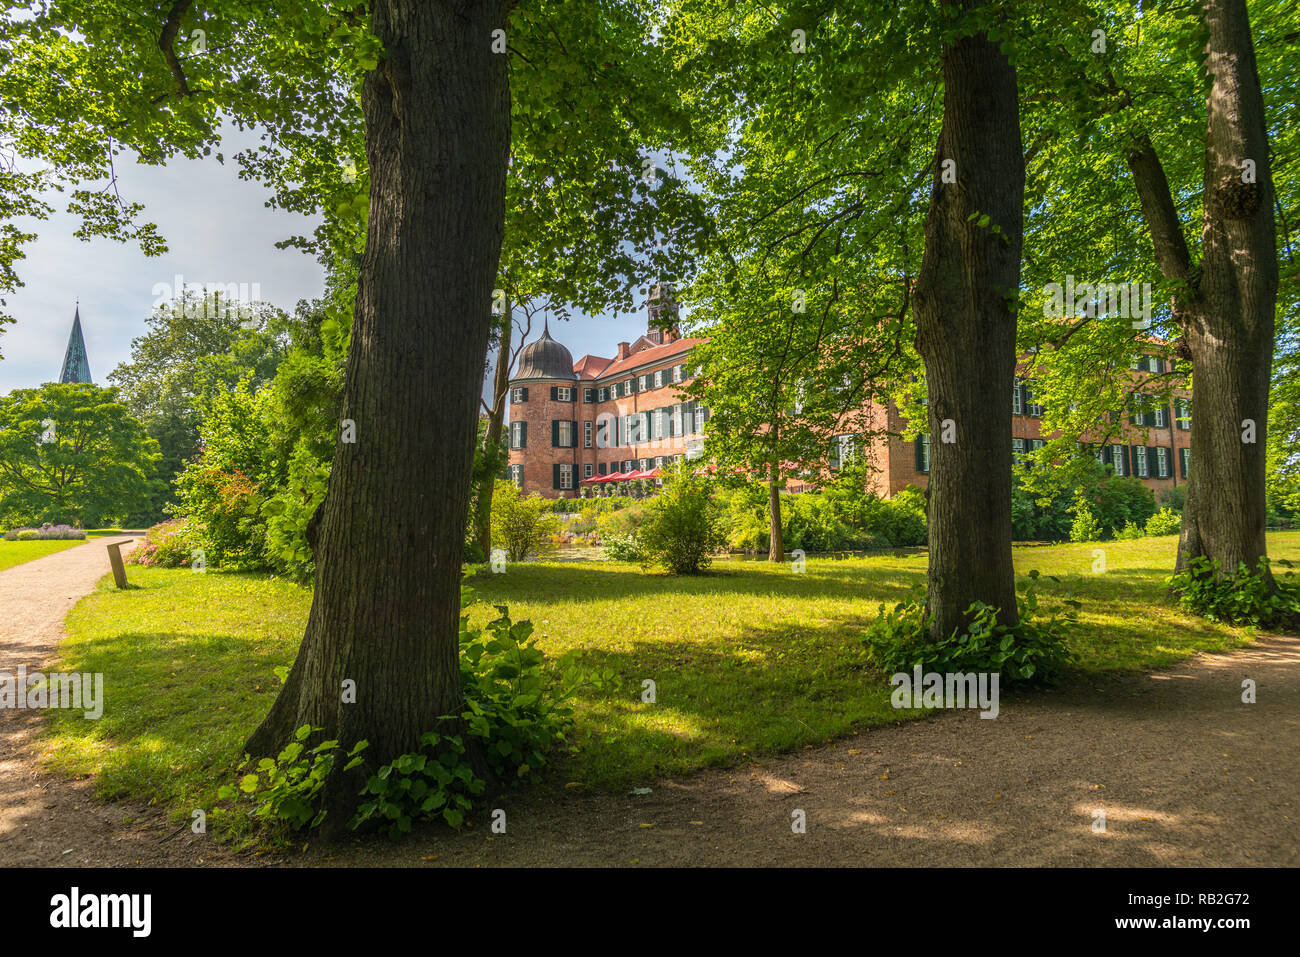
(1185, 772)
(45, 820)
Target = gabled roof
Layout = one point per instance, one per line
(648, 355)
(588, 367)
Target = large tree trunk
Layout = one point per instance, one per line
(966, 333)
(776, 544)
(391, 528)
(492, 438)
(1226, 309)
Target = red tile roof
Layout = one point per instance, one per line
(654, 354)
(588, 367)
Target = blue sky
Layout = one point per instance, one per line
(218, 230)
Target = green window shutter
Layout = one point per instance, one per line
(523, 435)
(555, 433)
(555, 475)
(554, 392)
(525, 394)
(573, 431)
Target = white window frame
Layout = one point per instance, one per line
(517, 394)
(566, 476)
(1118, 460)
(1162, 462)
(563, 393)
(566, 429)
(677, 373)
(1016, 407)
(1141, 467)
(587, 470)
(1017, 450)
(1158, 415)
(587, 434)
(516, 429)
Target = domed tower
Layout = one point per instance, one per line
(544, 439)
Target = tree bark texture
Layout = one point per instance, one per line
(1226, 304)
(385, 612)
(966, 294)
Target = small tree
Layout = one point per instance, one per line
(1085, 527)
(520, 525)
(682, 530)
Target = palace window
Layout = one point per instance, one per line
(519, 395)
(1140, 462)
(1183, 414)
(518, 435)
(586, 435)
(923, 453)
(1185, 460)
(1117, 458)
(1162, 462)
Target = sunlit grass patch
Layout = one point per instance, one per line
(750, 659)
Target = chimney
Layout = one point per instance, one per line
(624, 350)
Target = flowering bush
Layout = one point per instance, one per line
(45, 533)
(167, 545)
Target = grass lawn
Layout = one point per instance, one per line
(15, 553)
(747, 660)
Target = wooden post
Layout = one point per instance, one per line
(115, 559)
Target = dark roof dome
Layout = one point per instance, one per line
(545, 359)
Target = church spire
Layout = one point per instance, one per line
(75, 366)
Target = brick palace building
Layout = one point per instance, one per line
(573, 423)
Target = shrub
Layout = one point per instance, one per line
(225, 509)
(1164, 522)
(624, 521)
(682, 530)
(1032, 650)
(622, 548)
(515, 707)
(1115, 502)
(284, 788)
(287, 513)
(45, 533)
(1245, 598)
(1172, 498)
(521, 525)
(1085, 527)
(167, 545)
(1130, 531)
(812, 523)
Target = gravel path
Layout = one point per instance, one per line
(1186, 773)
(45, 820)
